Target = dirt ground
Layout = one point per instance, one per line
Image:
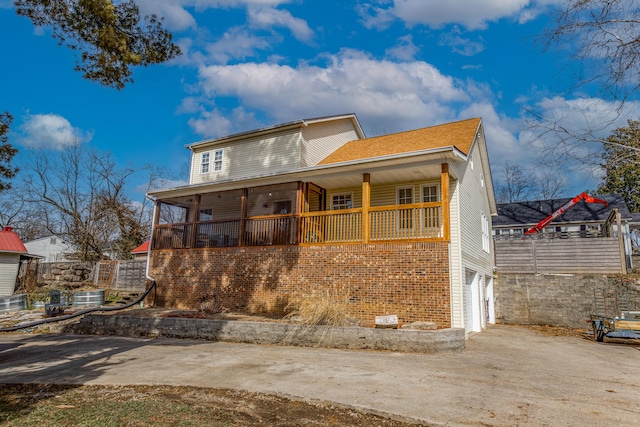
(56, 405)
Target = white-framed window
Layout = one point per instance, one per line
(341, 201)
(431, 216)
(205, 158)
(404, 196)
(217, 160)
(486, 230)
(430, 192)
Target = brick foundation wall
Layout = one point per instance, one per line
(407, 279)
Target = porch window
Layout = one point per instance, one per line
(217, 160)
(430, 193)
(431, 216)
(404, 196)
(341, 201)
(206, 214)
(204, 163)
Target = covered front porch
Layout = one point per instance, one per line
(409, 204)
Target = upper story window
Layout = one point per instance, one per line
(341, 201)
(204, 162)
(210, 163)
(486, 230)
(217, 160)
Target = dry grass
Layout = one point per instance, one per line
(326, 306)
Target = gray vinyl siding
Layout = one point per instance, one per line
(469, 205)
(250, 157)
(322, 139)
(9, 264)
(455, 259)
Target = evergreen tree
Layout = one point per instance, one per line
(622, 164)
(7, 151)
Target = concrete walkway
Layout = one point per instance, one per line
(506, 376)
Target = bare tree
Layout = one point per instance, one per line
(517, 185)
(551, 185)
(604, 36)
(83, 192)
(603, 39)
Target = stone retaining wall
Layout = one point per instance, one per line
(401, 340)
(565, 300)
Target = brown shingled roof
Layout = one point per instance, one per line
(458, 134)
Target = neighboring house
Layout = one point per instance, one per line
(394, 224)
(11, 251)
(565, 246)
(51, 249)
(140, 253)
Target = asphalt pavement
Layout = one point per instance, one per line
(506, 376)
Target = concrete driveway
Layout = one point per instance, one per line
(506, 376)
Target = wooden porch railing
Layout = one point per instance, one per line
(406, 222)
(270, 230)
(340, 226)
(418, 221)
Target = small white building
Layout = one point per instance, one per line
(51, 248)
(11, 250)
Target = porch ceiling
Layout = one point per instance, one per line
(401, 168)
(381, 175)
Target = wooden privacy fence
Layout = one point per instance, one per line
(129, 275)
(126, 275)
(557, 256)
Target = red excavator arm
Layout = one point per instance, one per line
(562, 209)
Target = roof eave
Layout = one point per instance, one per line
(298, 174)
(277, 128)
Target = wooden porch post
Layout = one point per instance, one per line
(243, 215)
(301, 204)
(366, 202)
(446, 214)
(195, 219)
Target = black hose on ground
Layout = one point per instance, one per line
(78, 313)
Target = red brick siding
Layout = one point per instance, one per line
(407, 279)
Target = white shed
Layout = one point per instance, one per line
(11, 249)
(51, 248)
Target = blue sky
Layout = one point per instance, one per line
(397, 64)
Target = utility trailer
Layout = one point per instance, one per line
(626, 323)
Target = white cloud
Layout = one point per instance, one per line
(237, 43)
(460, 45)
(267, 17)
(213, 123)
(471, 14)
(176, 17)
(51, 131)
(375, 17)
(390, 95)
(405, 50)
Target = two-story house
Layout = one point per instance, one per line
(399, 222)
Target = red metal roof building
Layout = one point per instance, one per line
(11, 250)
(10, 241)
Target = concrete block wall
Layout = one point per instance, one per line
(402, 340)
(559, 300)
(407, 279)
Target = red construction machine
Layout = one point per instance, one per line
(562, 209)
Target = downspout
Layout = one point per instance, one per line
(151, 281)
